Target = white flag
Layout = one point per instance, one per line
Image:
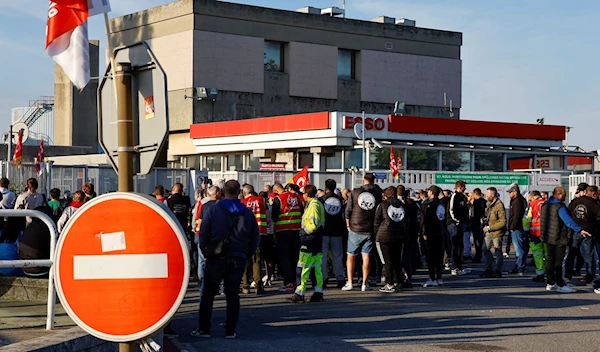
(96, 7)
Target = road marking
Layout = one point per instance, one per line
(120, 266)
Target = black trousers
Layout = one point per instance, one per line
(458, 246)
(554, 262)
(435, 256)
(288, 251)
(478, 238)
(396, 259)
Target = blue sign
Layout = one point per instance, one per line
(380, 176)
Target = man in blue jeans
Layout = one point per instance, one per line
(228, 222)
(518, 204)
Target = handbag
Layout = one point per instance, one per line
(214, 249)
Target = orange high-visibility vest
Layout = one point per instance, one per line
(536, 211)
(290, 215)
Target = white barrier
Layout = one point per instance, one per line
(42, 262)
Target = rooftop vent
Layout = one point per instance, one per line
(332, 11)
(385, 19)
(310, 10)
(406, 22)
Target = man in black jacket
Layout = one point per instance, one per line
(457, 217)
(432, 227)
(335, 227)
(479, 206)
(518, 204)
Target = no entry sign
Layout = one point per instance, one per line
(122, 267)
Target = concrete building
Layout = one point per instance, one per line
(227, 61)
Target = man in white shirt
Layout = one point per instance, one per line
(8, 197)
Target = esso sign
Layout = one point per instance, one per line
(371, 123)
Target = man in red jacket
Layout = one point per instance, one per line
(257, 205)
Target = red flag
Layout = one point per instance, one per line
(399, 162)
(301, 179)
(67, 39)
(393, 163)
(39, 159)
(18, 156)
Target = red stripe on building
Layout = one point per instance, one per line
(277, 124)
(579, 160)
(445, 126)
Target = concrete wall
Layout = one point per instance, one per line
(75, 112)
(174, 52)
(228, 62)
(313, 70)
(417, 80)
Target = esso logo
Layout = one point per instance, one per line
(377, 123)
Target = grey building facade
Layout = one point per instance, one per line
(266, 62)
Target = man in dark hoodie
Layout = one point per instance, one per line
(230, 222)
(392, 231)
(515, 226)
(456, 219)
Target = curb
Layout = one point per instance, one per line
(173, 345)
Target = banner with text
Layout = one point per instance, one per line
(483, 181)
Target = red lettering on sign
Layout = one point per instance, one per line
(377, 123)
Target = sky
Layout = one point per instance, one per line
(522, 59)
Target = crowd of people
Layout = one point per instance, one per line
(242, 241)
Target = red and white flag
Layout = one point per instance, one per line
(67, 36)
(399, 162)
(40, 159)
(18, 156)
(393, 166)
(301, 178)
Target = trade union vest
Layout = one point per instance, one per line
(259, 209)
(536, 211)
(290, 214)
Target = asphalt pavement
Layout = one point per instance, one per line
(467, 314)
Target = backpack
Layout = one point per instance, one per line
(56, 214)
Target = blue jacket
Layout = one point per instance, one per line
(217, 224)
(563, 212)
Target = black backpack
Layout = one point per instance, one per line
(56, 214)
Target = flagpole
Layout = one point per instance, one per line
(364, 150)
(9, 157)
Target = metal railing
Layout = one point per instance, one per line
(49, 263)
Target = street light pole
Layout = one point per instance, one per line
(364, 149)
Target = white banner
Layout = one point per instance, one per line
(96, 7)
(547, 180)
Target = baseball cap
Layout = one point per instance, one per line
(582, 187)
(513, 188)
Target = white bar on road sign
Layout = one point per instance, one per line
(120, 266)
(113, 241)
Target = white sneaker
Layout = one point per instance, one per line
(566, 289)
(458, 272)
(347, 287)
(430, 283)
(253, 284)
(551, 287)
(365, 288)
(447, 267)
(505, 255)
(597, 291)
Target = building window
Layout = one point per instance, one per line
(491, 162)
(456, 161)
(213, 163)
(305, 159)
(273, 56)
(379, 159)
(353, 157)
(235, 162)
(345, 64)
(254, 163)
(422, 159)
(334, 161)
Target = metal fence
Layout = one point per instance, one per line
(261, 178)
(104, 178)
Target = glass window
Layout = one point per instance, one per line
(491, 162)
(254, 163)
(334, 161)
(213, 162)
(345, 66)
(456, 161)
(353, 157)
(422, 159)
(273, 56)
(379, 159)
(304, 159)
(235, 162)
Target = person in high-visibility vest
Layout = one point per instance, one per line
(531, 222)
(257, 205)
(287, 215)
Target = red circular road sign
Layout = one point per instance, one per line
(122, 267)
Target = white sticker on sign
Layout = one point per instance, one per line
(113, 241)
(120, 266)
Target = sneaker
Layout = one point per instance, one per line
(458, 272)
(539, 278)
(597, 290)
(365, 288)
(505, 255)
(387, 289)
(200, 334)
(296, 299)
(440, 282)
(268, 284)
(316, 297)
(347, 287)
(566, 289)
(551, 287)
(287, 288)
(447, 267)
(568, 284)
(230, 336)
(430, 283)
(371, 282)
(253, 284)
